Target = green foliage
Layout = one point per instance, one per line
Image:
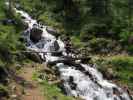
(125, 36)
(76, 42)
(122, 67)
(122, 61)
(82, 16)
(3, 91)
(102, 45)
(51, 90)
(2, 13)
(130, 49)
(9, 35)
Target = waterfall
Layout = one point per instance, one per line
(88, 83)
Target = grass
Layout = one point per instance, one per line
(51, 91)
(122, 66)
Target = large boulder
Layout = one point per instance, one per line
(52, 31)
(35, 34)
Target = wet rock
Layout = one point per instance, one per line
(116, 91)
(126, 89)
(35, 34)
(57, 54)
(71, 79)
(56, 46)
(77, 61)
(52, 31)
(72, 84)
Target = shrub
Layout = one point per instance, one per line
(130, 49)
(125, 35)
(124, 62)
(102, 45)
(123, 66)
(3, 91)
(76, 41)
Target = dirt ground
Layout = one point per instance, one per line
(24, 87)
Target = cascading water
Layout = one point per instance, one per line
(88, 83)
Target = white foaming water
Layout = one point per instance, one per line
(76, 82)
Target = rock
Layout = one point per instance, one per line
(56, 46)
(40, 80)
(72, 84)
(52, 31)
(25, 25)
(14, 96)
(13, 88)
(109, 73)
(126, 89)
(116, 91)
(48, 70)
(35, 34)
(57, 54)
(85, 60)
(71, 79)
(55, 82)
(77, 61)
(55, 98)
(34, 56)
